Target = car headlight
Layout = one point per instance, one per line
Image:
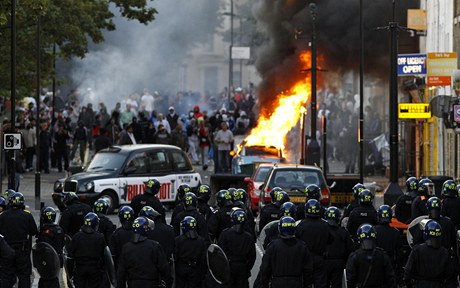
(89, 186)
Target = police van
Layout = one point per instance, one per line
(118, 174)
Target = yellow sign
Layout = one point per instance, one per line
(414, 111)
(416, 19)
(440, 66)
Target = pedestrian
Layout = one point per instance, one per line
(204, 138)
(403, 204)
(106, 226)
(72, 217)
(287, 261)
(190, 203)
(86, 249)
(142, 263)
(179, 138)
(127, 138)
(172, 118)
(190, 255)
(101, 141)
(30, 142)
(18, 227)
(429, 263)
(338, 250)
(60, 148)
(271, 211)
(315, 233)
(113, 130)
(149, 198)
(44, 141)
(149, 133)
(239, 248)
(193, 140)
(369, 266)
(162, 136)
(364, 213)
(419, 204)
(52, 234)
(451, 202)
(220, 220)
(80, 141)
(224, 140)
(122, 234)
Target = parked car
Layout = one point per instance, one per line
(246, 155)
(293, 179)
(118, 174)
(254, 182)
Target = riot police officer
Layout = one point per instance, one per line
(190, 255)
(338, 250)
(271, 212)
(240, 249)
(72, 217)
(369, 266)
(240, 198)
(314, 231)
(389, 239)
(106, 226)
(204, 195)
(3, 204)
(364, 213)
(142, 263)
(271, 233)
(419, 204)
(190, 209)
(312, 191)
(122, 234)
(451, 202)
(428, 264)
(179, 206)
(86, 249)
(403, 204)
(52, 234)
(18, 227)
(355, 202)
(220, 220)
(149, 198)
(287, 261)
(162, 233)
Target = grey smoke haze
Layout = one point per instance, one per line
(337, 26)
(136, 56)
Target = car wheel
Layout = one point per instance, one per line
(112, 199)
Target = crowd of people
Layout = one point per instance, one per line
(309, 245)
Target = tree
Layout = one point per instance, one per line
(67, 23)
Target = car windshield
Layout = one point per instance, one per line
(106, 162)
(262, 174)
(289, 179)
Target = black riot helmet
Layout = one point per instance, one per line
(432, 234)
(433, 205)
(152, 186)
(204, 193)
(312, 208)
(412, 184)
(365, 197)
(367, 237)
(313, 191)
(190, 201)
(356, 189)
(449, 189)
(288, 209)
(425, 187)
(224, 198)
(48, 215)
(384, 214)
(181, 190)
(273, 193)
(286, 227)
(125, 214)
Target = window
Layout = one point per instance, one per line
(139, 162)
(158, 162)
(181, 161)
(295, 178)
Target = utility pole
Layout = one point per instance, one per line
(361, 93)
(10, 154)
(37, 126)
(230, 60)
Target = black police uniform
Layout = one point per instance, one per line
(337, 253)
(72, 218)
(219, 221)
(240, 249)
(370, 266)
(143, 265)
(163, 234)
(177, 209)
(250, 223)
(86, 249)
(271, 233)
(350, 207)
(190, 261)
(205, 209)
(315, 233)
(403, 208)
(7, 277)
(141, 200)
(286, 263)
(269, 213)
(201, 226)
(119, 238)
(300, 211)
(17, 226)
(419, 207)
(106, 226)
(428, 267)
(448, 237)
(52, 234)
(451, 209)
(360, 215)
(389, 239)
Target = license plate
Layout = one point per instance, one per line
(297, 199)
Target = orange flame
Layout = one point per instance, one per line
(272, 130)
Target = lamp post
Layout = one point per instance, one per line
(10, 154)
(230, 58)
(361, 93)
(37, 127)
(313, 149)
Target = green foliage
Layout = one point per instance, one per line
(70, 24)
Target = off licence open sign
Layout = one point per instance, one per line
(440, 68)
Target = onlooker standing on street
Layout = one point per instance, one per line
(101, 141)
(80, 139)
(172, 118)
(162, 136)
(45, 144)
(223, 139)
(179, 138)
(205, 143)
(60, 148)
(30, 142)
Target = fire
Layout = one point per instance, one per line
(287, 110)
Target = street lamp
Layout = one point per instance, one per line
(230, 60)
(313, 149)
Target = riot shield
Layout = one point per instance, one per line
(344, 222)
(218, 264)
(263, 234)
(109, 267)
(68, 262)
(417, 223)
(46, 260)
